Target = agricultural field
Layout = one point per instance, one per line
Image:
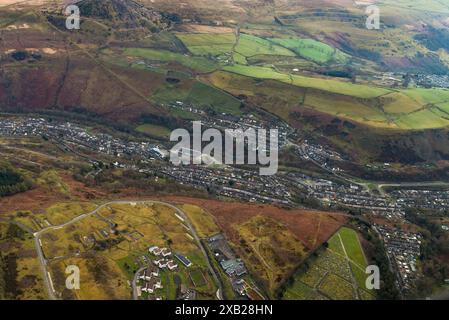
(313, 50)
(334, 86)
(336, 271)
(195, 63)
(250, 46)
(380, 108)
(203, 44)
(293, 55)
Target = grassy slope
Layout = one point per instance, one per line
(346, 88)
(313, 50)
(196, 63)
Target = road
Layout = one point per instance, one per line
(381, 186)
(44, 262)
(134, 283)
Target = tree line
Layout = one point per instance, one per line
(12, 182)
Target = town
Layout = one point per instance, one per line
(232, 181)
(243, 184)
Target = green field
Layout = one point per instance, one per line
(218, 44)
(196, 63)
(251, 46)
(355, 254)
(271, 59)
(338, 272)
(200, 95)
(313, 50)
(335, 86)
(154, 130)
(203, 44)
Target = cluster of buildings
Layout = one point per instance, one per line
(223, 253)
(424, 199)
(233, 267)
(224, 121)
(332, 193)
(403, 250)
(233, 182)
(152, 280)
(431, 80)
(317, 152)
(151, 275)
(320, 155)
(72, 134)
(246, 122)
(391, 205)
(161, 260)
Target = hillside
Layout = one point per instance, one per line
(285, 57)
(126, 13)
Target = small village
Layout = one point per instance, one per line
(234, 268)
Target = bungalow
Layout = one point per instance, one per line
(171, 265)
(152, 285)
(148, 273)
(162, 263)
(155, 250)
(166, 252)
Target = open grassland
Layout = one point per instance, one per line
(202, 221)
(336, 272)
(269, 249)
(100, 278)
(249, 46)
(20, 273)
(64, 212)
(311, 227)
(202, 44)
